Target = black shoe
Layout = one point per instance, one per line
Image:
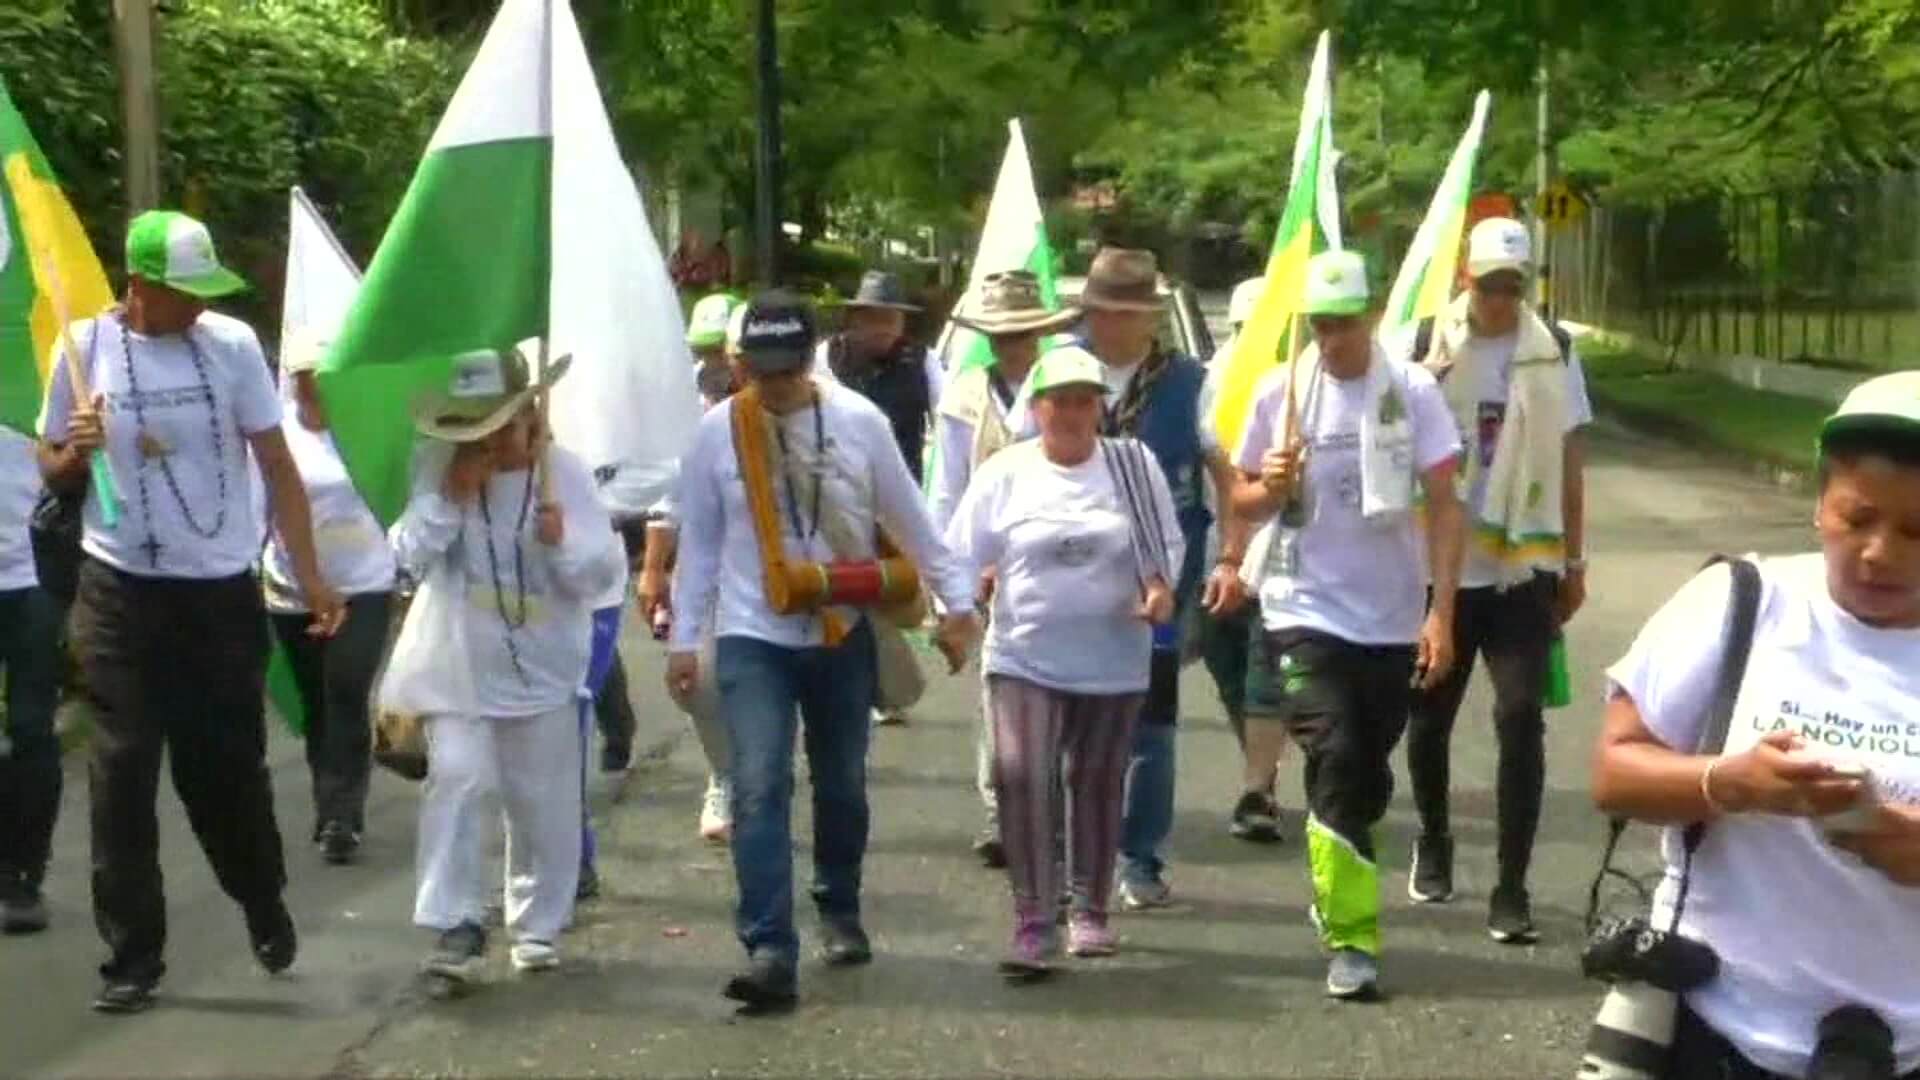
(843, 943)
(1431, 879)
(768, 985)
(990, 851)
(339, 843)
(121, 996)
(1256, 818)
(589, 886)
(1510, 916)
(22, 911)
(616, 755)
(459, 955)
(274, 941)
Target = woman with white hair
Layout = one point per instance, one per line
(334, 676)
(528, 558)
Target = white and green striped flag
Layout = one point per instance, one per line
(465, 263)
(1425, 282)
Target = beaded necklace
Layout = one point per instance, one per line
(518, 619)
(152, 546)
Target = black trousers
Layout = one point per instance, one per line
(613, 709)
(1226, 646)
(335, 679)
(1345, 705)
(173, 666)
(1700, 1053)
(1513, 631)
(30, 777)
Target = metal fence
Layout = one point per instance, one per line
(1827, 275)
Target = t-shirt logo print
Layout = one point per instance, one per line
(1392, 409)
(1074, 551)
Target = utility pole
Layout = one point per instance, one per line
(1544, 167)
(133, 31)
(767, 161)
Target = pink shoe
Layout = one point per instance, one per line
(1027, 959)
(1088, 935)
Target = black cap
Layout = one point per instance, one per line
(777, 333)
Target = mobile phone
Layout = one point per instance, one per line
(1861, 815)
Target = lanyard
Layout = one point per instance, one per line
(786, 473)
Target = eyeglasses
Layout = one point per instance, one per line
(1500, 286)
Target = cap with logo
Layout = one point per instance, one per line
(485, 388)
(1498, 244)
(1337, 284)
(1887, 404)
(707, 326)
(1069, 365)
(169, 248)
(777, 333)
(1246, 296)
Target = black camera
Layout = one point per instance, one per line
(1854, 1044)
(1633, 951)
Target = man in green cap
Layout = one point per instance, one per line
(1332, 453)
(168, 622)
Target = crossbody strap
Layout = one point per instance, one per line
(1743, 614)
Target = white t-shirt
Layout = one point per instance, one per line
(353, 550)
(201, 532)
(1801, 927)
(719, 584)
(1068, 582)
(1360, 581)
(1493, 361)
(561, 584)
(1118, 378)
(19, 491)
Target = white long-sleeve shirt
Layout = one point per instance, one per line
(1068, 580)
(562, 583)
(719, 583)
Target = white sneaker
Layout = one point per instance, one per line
(531, 955)
(716, 812)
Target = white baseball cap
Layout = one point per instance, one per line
(1246, 296)
(1068, 365)
(1337, 284)
(1498, 244)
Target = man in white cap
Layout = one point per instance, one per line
(1226, 637)
(1332, 453)
(1516, 391)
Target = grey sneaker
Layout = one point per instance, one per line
(1353, 976)
(1145, 895)
(1430, 881)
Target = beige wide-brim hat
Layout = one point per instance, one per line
(1123, 280)
(1012, 323)
(485, 390)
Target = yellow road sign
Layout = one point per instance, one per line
(1560, 205)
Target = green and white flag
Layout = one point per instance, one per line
(466, 261)
(1425, 283)
(1015, 238)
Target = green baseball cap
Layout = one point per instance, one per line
(1888, 404)
(169, 248)
(1337, 284)
(707, 326)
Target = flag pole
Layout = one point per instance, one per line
(545, 397)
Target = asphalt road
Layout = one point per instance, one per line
(1226, 984)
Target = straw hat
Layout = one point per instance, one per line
(486, 388)
(1009, 304)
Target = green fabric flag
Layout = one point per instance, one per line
(465, 264)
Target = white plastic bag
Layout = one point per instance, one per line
(428, 672)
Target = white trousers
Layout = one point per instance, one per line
(477, 767)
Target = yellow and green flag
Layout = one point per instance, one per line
(1425, 284)
(1309, 224)
(46, 264)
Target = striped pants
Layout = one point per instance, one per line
(1037, 731)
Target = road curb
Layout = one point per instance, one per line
(1655, 423)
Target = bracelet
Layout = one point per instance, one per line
(1706, 788)
(1230, 560)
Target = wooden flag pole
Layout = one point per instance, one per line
(545, 396)
(49, 272)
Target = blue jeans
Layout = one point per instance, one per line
(766, 692)
(1149, 813)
